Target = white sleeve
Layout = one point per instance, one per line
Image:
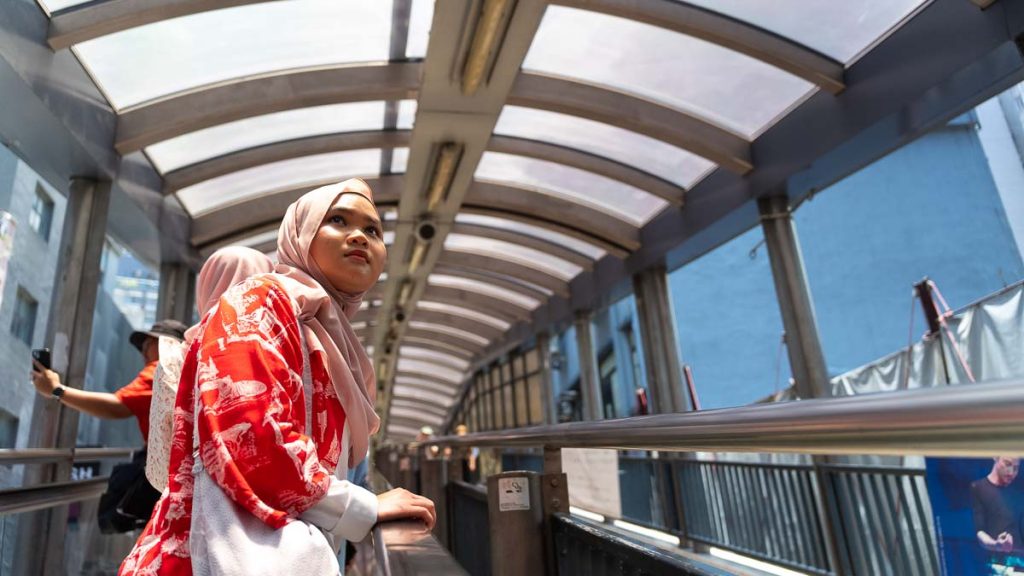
(347, 511)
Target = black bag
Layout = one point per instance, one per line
(129, 500)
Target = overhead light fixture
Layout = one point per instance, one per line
(405, 293)
(419, 253)
(483, 49)
(382, 370)
(445, 163)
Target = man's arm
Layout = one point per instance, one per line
(99, 404)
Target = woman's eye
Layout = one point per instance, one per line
(373, 232)
(336, 220)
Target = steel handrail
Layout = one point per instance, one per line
(50, 455)
(974, 420)
(18, 500)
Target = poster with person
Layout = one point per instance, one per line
(978, 507)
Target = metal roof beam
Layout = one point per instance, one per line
(506, 268)
(191, 110)
(455, 321)
(95, 19)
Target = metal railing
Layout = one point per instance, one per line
(972, 420)
(30, 498)
(878, 518)
(51, 455)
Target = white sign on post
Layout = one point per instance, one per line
(513, 493)
(593, 480)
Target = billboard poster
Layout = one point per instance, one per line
(978, 508)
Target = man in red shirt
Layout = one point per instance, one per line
(131, 400)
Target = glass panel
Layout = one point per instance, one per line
(610, 196)
(151, 61)
(585, 248)
(654, 156)
(722, 86)
(722, 299)
(536, 392)
(522, 404)
(277, 127)
(419, 28)
(532, 360)
(508, 402)
(432, 356)
(463, 312)
(823, 25)
(284, 175)
(483, 288)
(512, 253)
(494, 385)
(462, 334)
(431, 368)
(485, 403)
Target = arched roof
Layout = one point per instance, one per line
(553, 148)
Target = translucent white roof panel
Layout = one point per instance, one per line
(416, 394)
(463, 312)
(151, 61)
(610, 196)
(416, 415)
(643, 152)
(398, 403)
(52, 6)
(435, 370)
(252, 182)
(433, 356)
(442, 329)
(483, 288)
(722, 86)
(841, 30)
(510, 252)
(428, 385)
(406, 114)
(575, 244)
(399, 160)
(419, 28)
(257, 239)
(259, 130)
(398, 431)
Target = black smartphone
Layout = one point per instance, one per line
(42, 355)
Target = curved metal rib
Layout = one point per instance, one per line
(508, 311)
(473, 348)
(285, 150)
(499, 280)
(526, 240)
(591, 163)
(505, 268)
(572, 218)
(152, 122)
(261, 211)
(96, 19)
(462, 323)
(426, 340)
(716, 28)
(632, 113)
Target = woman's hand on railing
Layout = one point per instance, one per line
(400, 503)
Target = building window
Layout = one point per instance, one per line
(24, 324)
(42, 213)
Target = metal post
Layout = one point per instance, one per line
(547, 394)
(433, 479)
(805, 355)
(590, 386)
(516, 516)
(555, 500)
(41, 541)
(177, 292)
(806, 358)
(658, 334)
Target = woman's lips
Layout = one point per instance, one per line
(359, 256)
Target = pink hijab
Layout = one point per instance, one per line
(225, 268)
(325, 312)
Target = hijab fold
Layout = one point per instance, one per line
(324, 312)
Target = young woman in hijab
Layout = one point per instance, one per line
(223, 269)
(256, 479)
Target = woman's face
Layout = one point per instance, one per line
(349, 246)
